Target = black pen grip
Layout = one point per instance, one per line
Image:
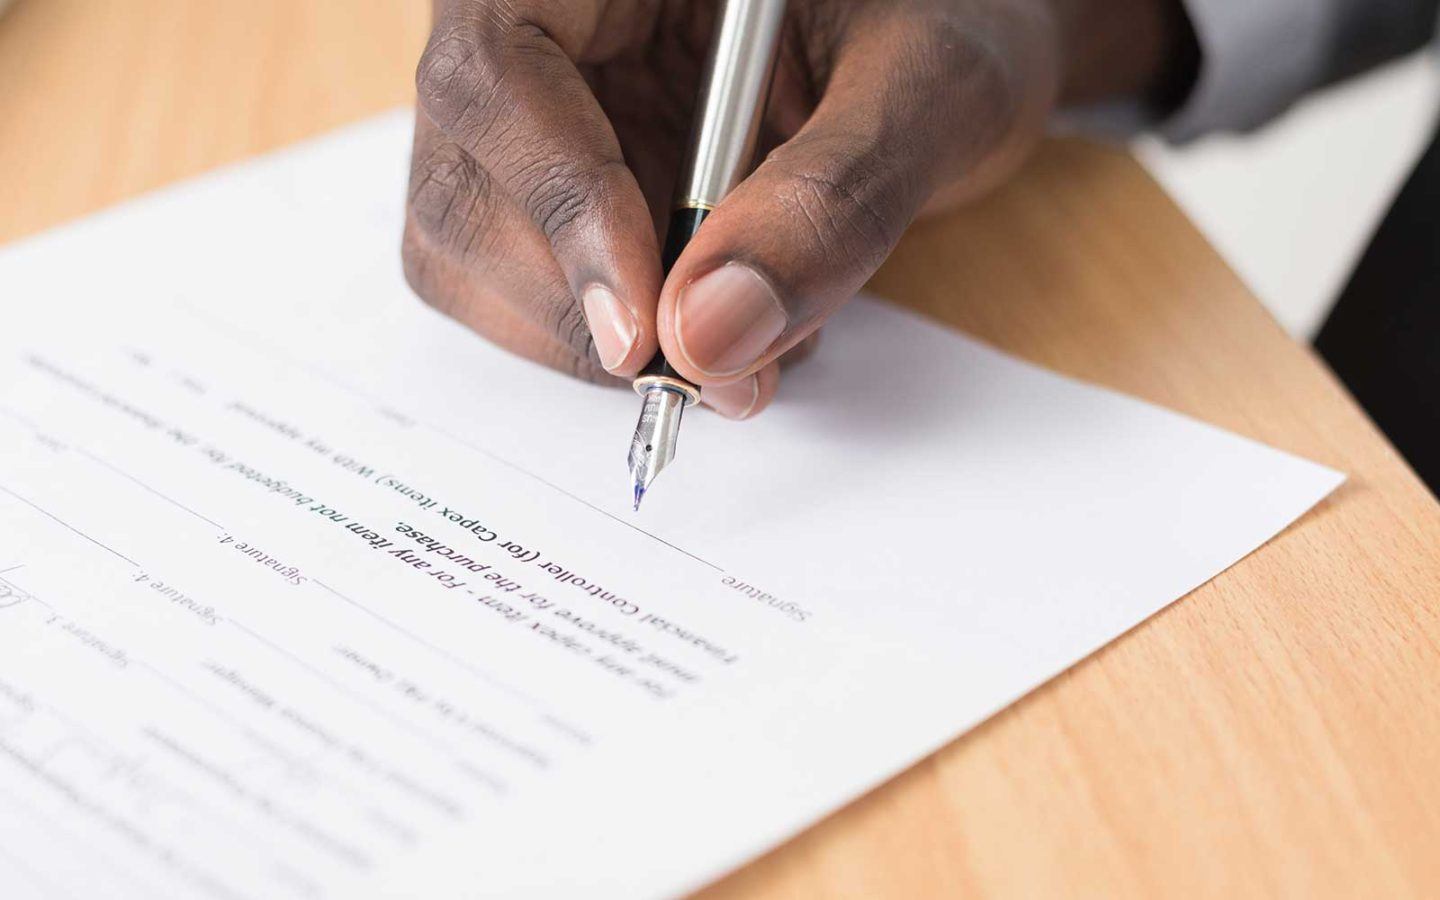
(683, 225)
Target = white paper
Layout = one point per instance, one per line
(228, 433)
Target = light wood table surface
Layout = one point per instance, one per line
(1275, 733)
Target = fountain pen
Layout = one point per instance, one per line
(733, 94)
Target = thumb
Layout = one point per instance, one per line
(909, 106)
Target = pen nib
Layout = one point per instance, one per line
(653, 445)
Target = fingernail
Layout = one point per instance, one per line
(733, 401)
(611, 325)
(727, 319)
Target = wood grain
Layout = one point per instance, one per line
(1277, 733)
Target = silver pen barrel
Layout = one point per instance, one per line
(733, 93)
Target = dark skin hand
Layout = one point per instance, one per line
(550, 133)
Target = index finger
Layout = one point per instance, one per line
(499, 78)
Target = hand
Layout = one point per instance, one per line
(550, 133)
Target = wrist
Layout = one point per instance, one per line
(1135, 50)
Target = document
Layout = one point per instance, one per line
(306, 591)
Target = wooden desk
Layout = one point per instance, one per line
(1277, 732)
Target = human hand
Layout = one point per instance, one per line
(550, 133)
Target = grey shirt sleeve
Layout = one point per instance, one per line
(1260, 56)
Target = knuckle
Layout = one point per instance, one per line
(453, 200)
(459, 74)
(562, 192)
(442, 172)
(934, 45)
(478, 72)
(442, 70)
(852, 200)
(960, 69)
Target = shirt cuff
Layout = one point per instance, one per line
(1256, 59)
